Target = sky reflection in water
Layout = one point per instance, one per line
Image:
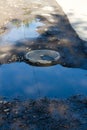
(21, 79)
(23, 31)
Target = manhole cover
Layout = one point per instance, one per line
(43, 57)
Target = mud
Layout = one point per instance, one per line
(44, 114)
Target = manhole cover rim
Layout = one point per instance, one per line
(54, 54)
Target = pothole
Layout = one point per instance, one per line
(43, 57)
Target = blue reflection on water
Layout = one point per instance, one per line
(24, 31)
(29, 81)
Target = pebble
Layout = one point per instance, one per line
(27, 48)
(6, 110)
(1, 102)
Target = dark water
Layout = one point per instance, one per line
(21, 79)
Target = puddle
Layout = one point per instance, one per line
(21, 79)
(19, 31)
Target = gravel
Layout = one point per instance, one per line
(44, 114)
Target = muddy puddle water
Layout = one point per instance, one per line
(21, 79)
(17, 31)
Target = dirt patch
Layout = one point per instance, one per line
(44, 114)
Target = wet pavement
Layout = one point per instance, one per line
(41, 27)
(40, 114)
(32, 25)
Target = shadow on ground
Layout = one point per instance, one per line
(57, 34)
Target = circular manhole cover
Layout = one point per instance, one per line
(43, 57)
